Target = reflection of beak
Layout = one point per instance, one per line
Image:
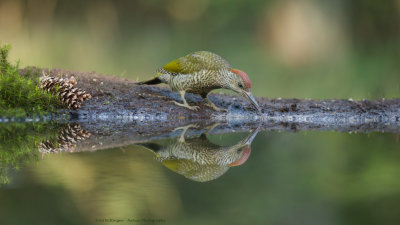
(243, 158)
(251, 137)
(251, 98)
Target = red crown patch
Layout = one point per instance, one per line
(243, 75)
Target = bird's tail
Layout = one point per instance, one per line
(154, 80)
(150, 82)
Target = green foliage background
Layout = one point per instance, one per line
(291, 49)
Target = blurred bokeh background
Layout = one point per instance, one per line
(290, 48)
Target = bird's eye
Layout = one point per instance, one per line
(240, 85)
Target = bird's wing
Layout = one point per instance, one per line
(196, 61)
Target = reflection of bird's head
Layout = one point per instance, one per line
(242, 150)
(243, 154)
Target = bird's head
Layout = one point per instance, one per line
(239, 82)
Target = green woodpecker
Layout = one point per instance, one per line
(198, 159)
(201, 72)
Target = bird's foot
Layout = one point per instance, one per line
(195, 108)
(212, 105)
(213, 126)
(185, 128)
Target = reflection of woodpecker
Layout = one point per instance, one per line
(200, 160)
(201, 72)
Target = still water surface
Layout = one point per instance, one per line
(307, 177)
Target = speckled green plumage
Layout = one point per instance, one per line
(195, 62)
(199, 73)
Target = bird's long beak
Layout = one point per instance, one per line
(251, 98)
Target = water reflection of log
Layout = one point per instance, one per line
(108, 135)
(66, 140)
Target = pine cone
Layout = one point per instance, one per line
(66, 140)
(63, 87)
